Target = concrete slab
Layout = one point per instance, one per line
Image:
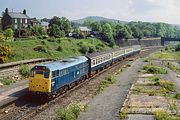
(146, 75)
(140, 117)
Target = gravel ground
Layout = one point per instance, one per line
(106, 105)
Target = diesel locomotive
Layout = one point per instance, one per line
(53, 78)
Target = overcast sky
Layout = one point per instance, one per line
(128, 10)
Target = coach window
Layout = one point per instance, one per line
(94, 62)
(57, 73)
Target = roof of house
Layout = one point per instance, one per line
(84, 28)
(17, 15)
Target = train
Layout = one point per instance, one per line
(53, 78)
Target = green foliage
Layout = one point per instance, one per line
(168, 85)
(2, 38)
(161, 115)
(105, 83)
(40, 48)
(154, 69)
(146, 60)
(71, 112)
(5, 51)
(173, 67)
(123, 115)
(96, 26)
(8, 33)
(60, 49)
(24, 70)
(84, 49)
(59, 27)
(177, 47)
(177, 96)
(6, 81)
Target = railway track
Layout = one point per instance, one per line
(22, 109)
(12, 69)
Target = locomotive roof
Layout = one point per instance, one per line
(61, 64)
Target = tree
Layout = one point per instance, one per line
(121, 32)
(55, 31)
(95, 26)
(108, 34)
(62, 23)
(8, 33)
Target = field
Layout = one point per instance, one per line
(54, 48)
(167, 55)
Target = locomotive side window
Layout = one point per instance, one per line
(32, 73)
(53, 73)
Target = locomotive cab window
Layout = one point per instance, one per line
(46, 74)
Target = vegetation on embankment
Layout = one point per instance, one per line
(71, 112)
(56, 48)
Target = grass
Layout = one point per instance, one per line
(53, 48)
(166, 55)
(163, 115)
(173, 67)
(154, 69)
(6, 81)
(24, 70)
(105, 83)
(71, 112)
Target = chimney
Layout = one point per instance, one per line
(6, 10)
(24, 11)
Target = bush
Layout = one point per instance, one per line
(154, 69)
(177, 96)
(84, 49)
(92, 49)
(71, 112)
(177, 47)
(24, 70)
(40, 48)
(59, 48)
(5, 51)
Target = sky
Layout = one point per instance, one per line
(126, 10)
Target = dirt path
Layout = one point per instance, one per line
(106, 105)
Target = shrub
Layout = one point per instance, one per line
(123, 115)
(24, 70)
(177, 47)
(71, 112)
(59, 48)
(84, 49)
(92, 49)
(154, 69)
(177, 96)
(40, 48)
(5, 51)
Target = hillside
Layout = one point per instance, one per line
(98, 19)
(54, 48)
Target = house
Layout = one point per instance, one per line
(16, 20)
(84, 30)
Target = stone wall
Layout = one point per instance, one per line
(143, 42)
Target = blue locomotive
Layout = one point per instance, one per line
(55, 77)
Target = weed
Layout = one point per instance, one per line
(105, 83)
(59, 48)
(161, 115)
(177, 96)
(146, 60)
(24, 70)
(154, 69)
(71, 112)
(6, 81)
